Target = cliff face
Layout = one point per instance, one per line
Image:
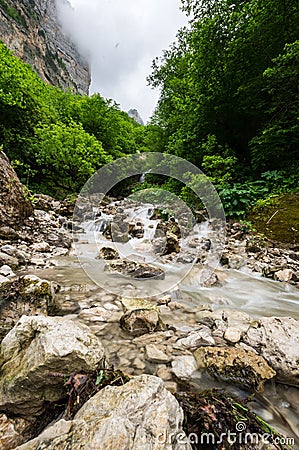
(136, 116)
(32, 30)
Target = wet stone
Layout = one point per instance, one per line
(135, 270)
(235, 366)
(108, 253)
(156, 354)
(183, 367)
(196, 339)
(164, 373)
(141, 321)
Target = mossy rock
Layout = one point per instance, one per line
(235, 366)
(26, 295)
(278, 219)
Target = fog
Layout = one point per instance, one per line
(122, 37)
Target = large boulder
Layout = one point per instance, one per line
(27, 295)
(141, 414)
(36, 349)
(235, 365)
(14, 205)
(140, 317)
(277, 340)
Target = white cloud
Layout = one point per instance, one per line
(122, 38)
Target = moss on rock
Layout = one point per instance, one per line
(278, 218)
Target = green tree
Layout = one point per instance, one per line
(65, 156)
(24, 101)
(212, 79)
(277, 145)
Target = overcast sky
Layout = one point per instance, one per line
(122, 38)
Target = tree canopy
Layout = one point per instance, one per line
(233, 74)
(57, 139)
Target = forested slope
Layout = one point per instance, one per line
(57, 139)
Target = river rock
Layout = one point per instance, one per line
(6, 271)
(41, 247)
(196, 339)
(117, 231)
(99, 314)
(156, 354)
(26, 295)
(141, 414)
(228, 324)
(8, 260)
(183, 366)
(14, 204)
(284, 275)
(233, 334)
(43, 201)
(32, 350)
(140, 317)
(136, 230)
(277, 340)
(108, 253)
(235, 365)
(9, 233)
(11, 250)
(136, 270)
(172, 244)
(3, 279)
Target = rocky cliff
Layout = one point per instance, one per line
(136, 116)
(14, 207)
(32, 30)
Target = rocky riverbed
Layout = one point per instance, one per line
(239, 332)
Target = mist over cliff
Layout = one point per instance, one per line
(32, 29)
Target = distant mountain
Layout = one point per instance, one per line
(136, 116)
(32, 30)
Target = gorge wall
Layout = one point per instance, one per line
(31, 29)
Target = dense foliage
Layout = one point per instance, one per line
(229, 93)
(56, 139)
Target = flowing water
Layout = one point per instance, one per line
(238, 289)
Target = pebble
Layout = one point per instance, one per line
(196, 339)
(283, 275)
(232, 335)
(183, 367)
(139, 364)
(156, 354)
(6, 270)
(171, 386)
(41, 247)
(164, 373)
